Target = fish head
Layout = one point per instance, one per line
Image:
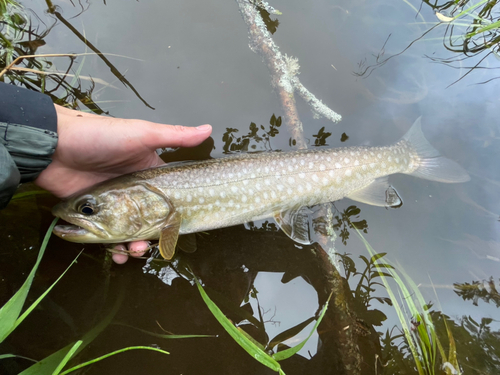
(112, 212)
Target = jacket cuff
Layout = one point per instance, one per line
(30, 148)
(9, 177)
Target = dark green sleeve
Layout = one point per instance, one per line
(28, 138)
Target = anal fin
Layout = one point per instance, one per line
(378, 193)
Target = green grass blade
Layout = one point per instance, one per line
(162, 335)
(67, 357)
(289, 333)
(241, 339)
(397, 307)
(111, 354)
(9, 313)
(39, 299)
(50, 363)
(287, 353)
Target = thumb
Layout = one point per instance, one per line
(177, 135)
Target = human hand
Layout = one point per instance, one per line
(94, 148)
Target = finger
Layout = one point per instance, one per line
(120, 258)
(176, 135)
(138, 248)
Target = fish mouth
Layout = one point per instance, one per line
(87, 232)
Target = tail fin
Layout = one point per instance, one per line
(432, 165)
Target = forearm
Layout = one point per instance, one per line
(28, 138)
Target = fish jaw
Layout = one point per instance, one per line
(83, 231)
(75, 233)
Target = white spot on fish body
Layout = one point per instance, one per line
(384, 165)
(316, 157)
(397, 160)
(308, 186)
(250, 191)
(266, 196)
(230, 203)
(291, 180)
(356, 162)
(267, 182)
(300, 188)
(315, 178)
(331, 173)
(244, 198)
(311, 165)
(325, 181)
(201, 200)
(281, 164)
(406, 161)
(177, 195)
(358, 175)
(372, 165)
(389, 159)
(234, 189)
(290, 168)
(302, 162)
(257, 200)
(338, 165)
(302, 175)
(273, 194)
(322, 167)
(364, 167)
(189, 198)
(211, 192)
(289, 191)
(252, 175)
(338, 180)
(217, 202)
(245, 182)
(222, 194)
(280, 187)
(207, 180)
(365, 156)
(371, 153)
(379, 156)
(348, 173)
(328, 158)
(266, 169)
(346, 160)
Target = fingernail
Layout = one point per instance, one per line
(204, 127)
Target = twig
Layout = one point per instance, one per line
(283, 71)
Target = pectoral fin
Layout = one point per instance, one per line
(378, 193)
(169, 235)
(187, 243)
(295, 224)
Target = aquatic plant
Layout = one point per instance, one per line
(417, 325)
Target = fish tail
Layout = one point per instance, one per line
(432, 166)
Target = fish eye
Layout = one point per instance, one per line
(87, 206)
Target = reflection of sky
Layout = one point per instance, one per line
(197, 68)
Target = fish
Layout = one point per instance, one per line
(187, 197)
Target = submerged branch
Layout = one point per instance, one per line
(283, 71)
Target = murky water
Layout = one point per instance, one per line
(190, 61)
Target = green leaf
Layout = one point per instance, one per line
(289, 333)
(162, 335)
(9, 313)
(377, 256)
(111, 354)
(67, 357)
(241, 339)
(50, 363)
(289, 352)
